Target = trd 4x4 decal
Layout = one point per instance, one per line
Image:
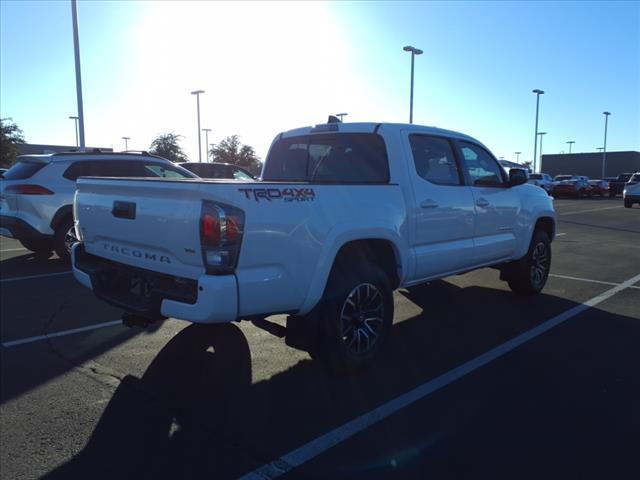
(286, 194)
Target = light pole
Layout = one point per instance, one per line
(76, 51)
(599, 148)
(570, 142)
(538, 92)
(211, 145)
(126, 144)
(604, 146)
(206, 141)
(414, 51)
(518, 156)
(540, 163)
(71, 117)
(197, 94)
(341, 115)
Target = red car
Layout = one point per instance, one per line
(599, 187)
(571, 186)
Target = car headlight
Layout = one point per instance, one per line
(624, 192)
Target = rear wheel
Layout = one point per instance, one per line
(38, 246)
(628, 203)
(64, 239)
(528, 275)
(356, 317)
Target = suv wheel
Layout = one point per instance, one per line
(64, 238)
(356, 317)
(628, 203)
(528, 275)
(38, 246)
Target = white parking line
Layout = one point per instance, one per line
(601, 282)
(589, 210)
(560, 234)
(63, 333)
(28, 277)
(14, 250)
(303, 454)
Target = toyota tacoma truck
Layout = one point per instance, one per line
(342, 215)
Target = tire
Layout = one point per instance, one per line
(348, 341)
(628, 203)
(528, 275)
(64, 238)
(38, 246)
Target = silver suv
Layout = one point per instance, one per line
(36, 193)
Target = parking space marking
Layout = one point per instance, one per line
(589, 210)
(14, 250)
(29, 277)
(63, 333)
(315, 447)
(560, 234)
(590, 280)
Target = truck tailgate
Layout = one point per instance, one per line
(151, 224)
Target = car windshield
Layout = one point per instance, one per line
(23, 170)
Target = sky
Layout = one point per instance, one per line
(270, 67)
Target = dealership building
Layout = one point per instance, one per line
(590, 164)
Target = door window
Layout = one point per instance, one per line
(434, 160)
(482, 168)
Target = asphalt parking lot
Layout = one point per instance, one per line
(474, 382)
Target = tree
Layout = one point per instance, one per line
(230, 150)
(527, 164)
(10, 137)
(166, 146)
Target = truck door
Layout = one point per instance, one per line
(443, 211)
(496, 204)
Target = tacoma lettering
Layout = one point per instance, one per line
(136, 253)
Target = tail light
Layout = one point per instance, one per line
(28, 190)
(221, 229)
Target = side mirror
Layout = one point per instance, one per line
(517, 176)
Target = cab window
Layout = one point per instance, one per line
(482, 168)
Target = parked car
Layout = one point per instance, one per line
(571, 186)
(616, 186)
(3, 171)
(599, 187)
(336, 224)
(217, 170)
(541, 180)
(631, 194)
(36, 194)
(635, 178)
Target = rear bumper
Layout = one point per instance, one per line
(19, 229)
(209, 299)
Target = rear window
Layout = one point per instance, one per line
(23, 170)
(122, 168)
(329, 158)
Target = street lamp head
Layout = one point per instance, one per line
(206, 129)
(542, 133)
(196, 92)
(73, 118)
(341, 114)
(538, 91)
(415, 51)
(126, 138)
(606, 113)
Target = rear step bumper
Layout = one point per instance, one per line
(210, 299)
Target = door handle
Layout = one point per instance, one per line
(124, 210)
(428, 203)
(482, 202)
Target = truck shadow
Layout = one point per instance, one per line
(195, 412)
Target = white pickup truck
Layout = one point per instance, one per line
(343, 215)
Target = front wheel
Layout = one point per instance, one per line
(628, 203)
(356, 317)
(528, 275)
